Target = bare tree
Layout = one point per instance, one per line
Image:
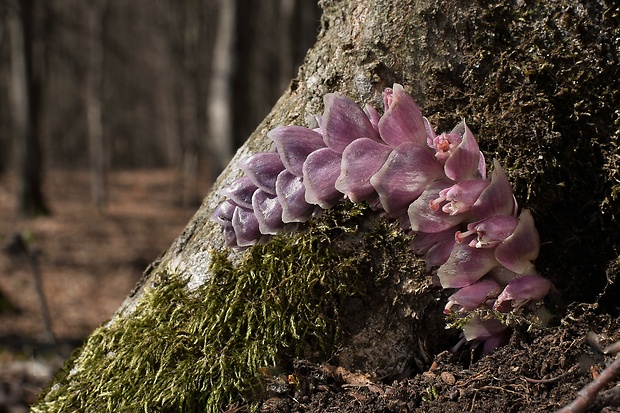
(191, 99)
(26, 102)
(221, 87)
(93, 100)
(285, 47)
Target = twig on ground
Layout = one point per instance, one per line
(587, 395)
(608, 398)
(612, 348)
(552, 379)
(593, 341)
(15, 246)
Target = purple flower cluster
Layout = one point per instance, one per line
(466, 225)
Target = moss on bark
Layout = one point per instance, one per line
(227, 341)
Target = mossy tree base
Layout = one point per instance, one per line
(312, 294)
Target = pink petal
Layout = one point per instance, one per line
(502, 275)
(268, 212)
(491, 331)
(320, 172)
(465, 266)
(499, 339)
(402, 122)
(230, 238)
(430, 133)
(482, 167)
(246, 228)
(478, 329)
(294, 144)
(473, 296)
(291, 195)
(240, 191)
(360, 161)
(424, 241)
(524, 289)
(223, 213)
(497, 198)
(462, 129)
(343, 122)
(489, 232)
(423, 218)
(520, 249)
(314, 123)
(407, 171)
(439, 253)
(446, 143)
(388, 97)
(463, 195)
(496, 229)
(463, 162)
(373, 116)
(263, 169)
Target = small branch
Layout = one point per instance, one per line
(593, 341)
(38, 284)
(552, 379)
(587, 395)
(16, 246)
(608, 398)
(612, 348)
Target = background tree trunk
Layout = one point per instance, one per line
(26, 95)
(93, 100)
(220, 97)
(537, 84)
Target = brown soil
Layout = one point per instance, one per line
(539, 371)
(89, 260)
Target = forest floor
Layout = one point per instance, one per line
(540, 371)
(91, 258)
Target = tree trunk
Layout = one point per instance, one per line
(93, 102)
(26, 90)
(193, 119)
(286, 56)
(537, 84)
(220, 95)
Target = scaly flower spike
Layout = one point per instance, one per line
(466, 226)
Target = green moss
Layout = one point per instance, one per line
(202, 350)
(538, 86)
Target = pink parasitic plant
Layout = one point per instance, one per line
(466, 226)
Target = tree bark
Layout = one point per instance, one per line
(536, 83)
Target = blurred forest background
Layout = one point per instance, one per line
(113, 84)
(115, 118)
